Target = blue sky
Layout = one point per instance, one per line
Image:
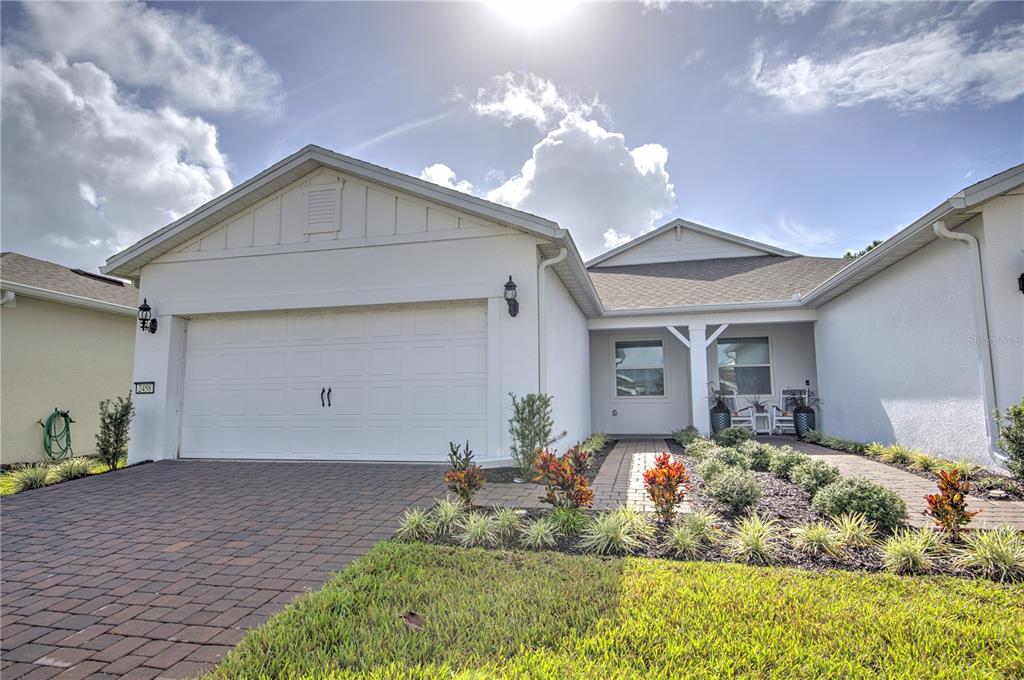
(815, 126)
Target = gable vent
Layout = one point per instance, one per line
(323, 209)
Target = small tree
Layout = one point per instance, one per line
(530, 427)
(465, 477)
(1011, 438)
(112, 439)
(948, 508)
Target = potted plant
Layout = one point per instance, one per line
(804, 416)
(721, 416)
(758, 403)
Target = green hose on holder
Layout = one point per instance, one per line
(57, 435)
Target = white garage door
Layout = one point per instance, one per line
(394, 383)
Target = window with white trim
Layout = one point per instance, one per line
(744, 366)
(639, 368)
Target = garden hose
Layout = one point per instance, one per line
(57, 435)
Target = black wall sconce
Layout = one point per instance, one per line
(1020, 283)
(510, 297)
(146, 320)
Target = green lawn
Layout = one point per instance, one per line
(508, 613)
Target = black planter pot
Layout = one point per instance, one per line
(803, 422)
(720, 420)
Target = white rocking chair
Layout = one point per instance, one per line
(784, 412)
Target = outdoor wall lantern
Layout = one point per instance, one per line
(146, 320)
(510, 297)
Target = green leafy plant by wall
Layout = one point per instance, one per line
(948, 507)
(465, 477)
(112, 438)
(1011, 438)
(531, 429)
(565, 481)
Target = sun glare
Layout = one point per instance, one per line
(532, 13)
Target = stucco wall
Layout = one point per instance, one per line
(568, 362)
(56, 355)
(791, 348)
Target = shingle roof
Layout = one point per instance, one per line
(763, 278)
(29, 271)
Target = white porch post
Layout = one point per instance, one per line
(699, 378)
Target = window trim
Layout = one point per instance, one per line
(613, 340)
(771, 364)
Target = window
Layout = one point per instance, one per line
(744, 366)
(639, 369)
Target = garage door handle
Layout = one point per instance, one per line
(322, 390)
(329, 397)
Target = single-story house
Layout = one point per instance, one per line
(333, 309)
(67, 338)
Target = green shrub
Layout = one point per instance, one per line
(730, 456)
(72, 468)
(711, 468)
(896, 454)
(568, 521)
(878, 504)
(416, 525)
(691, 534)
(700, 447)
(531, 429)
(732, 436)
(477, 529)
(27, 477)
(618, 531)
(910, 551)
(758, 453)
(112, 438)
(595, 442)
(922, 462)
(840, 444)
(506, 521)
(965, 467)
(855, 530)
(736, 489)
(684, 436)
(1011, 438)
(783, 459)
(817, 538)
(538, 534)
(814, 474)
(446, 515)
(996, 554)
(874, 449)
(755, 540)
(812, 437)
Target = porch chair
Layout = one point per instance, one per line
(783, 420)
(741, 417)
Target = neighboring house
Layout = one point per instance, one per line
(332, 309)
(66, 342)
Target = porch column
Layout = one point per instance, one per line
(699, 378)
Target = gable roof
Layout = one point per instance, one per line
(48, 280)
(758, 279)
(692, 226)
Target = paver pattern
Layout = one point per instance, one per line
(156, 571)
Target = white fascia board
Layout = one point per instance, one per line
(792, 314)
(67, 298)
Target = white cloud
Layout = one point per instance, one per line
(936, 69)
(613, 239)
(591, 182)
(527, 97)
(193, 63)
(792, 235)
(789, 10)
(441, 174)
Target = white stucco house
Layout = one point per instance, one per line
(332, 309)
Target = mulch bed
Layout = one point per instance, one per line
(506, 475)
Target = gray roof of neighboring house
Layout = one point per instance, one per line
(29, 271)
(760, 278)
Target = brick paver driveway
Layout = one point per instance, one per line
(157, 570)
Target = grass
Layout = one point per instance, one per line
(7, 480)
(505, 613)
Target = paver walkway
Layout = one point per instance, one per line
(158, 570)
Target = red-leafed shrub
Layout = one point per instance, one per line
(565, 481)
(948, 508)
(666, 484)
(466, 477)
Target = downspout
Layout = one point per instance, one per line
(988, 387)
(541, 337)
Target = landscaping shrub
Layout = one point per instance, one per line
(568, 521)
(910, 551)
(896, 454)
(855, 530)
(967, 468)
(446, 515)
(1011, 438)
(618, 531)
(948, 508)
(710, 468)
(700, 447)
(840, 444)
(416, 525)
(996, 554)
(730, 456)
(538, 534)
(874, 449)
(691, 534)
(812, 437)
(112, 438)
(736, 489)
(817, 538)
(72, 468)
(477, 529)
(530, 428)
(814, 474)
(732, 436)
(27, 477)
(755, 540)
(465, 477)
(507, 522)
(595, 442)
(783, 459)
(852, 494)
(666, 485)
(922, 462)
(758, 454)
(565, 481)
(684, 436)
